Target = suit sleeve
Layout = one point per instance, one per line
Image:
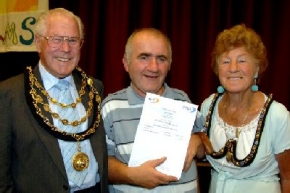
(6, 183)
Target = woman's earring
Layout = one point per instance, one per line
(255, 87)
(220, 89)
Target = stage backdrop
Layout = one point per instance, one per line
(191, 25)
(17, 19)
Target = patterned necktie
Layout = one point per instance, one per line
(71, 147)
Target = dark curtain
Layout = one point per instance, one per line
(192, 26)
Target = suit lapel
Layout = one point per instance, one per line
(97, 140)
(50, 142)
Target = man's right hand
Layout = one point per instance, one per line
(148, 177)
(145, 175)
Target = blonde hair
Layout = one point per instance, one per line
(41, 25)
(240, 36)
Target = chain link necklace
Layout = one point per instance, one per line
(55, 115)
(229, 155)
(237, 133)
(34, 99)
(229, 149)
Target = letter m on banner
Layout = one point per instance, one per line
(17, 21)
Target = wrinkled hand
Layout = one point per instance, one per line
(148, 177)
(206, 142)
(195, 148)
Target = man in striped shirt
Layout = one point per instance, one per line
(147, 59)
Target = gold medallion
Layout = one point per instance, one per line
(80, 161)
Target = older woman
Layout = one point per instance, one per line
(249, 131)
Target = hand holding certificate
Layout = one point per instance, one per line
(164, 131)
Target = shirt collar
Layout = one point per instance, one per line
(48, 79)
(135, 99)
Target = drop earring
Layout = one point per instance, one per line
(220, 89)
(255, 87)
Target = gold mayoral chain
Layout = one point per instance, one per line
(37, 96)
(229, 150)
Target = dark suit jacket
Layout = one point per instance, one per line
(30, 157)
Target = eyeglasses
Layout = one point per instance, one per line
(57, 41)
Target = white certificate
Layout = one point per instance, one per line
(164, 131)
